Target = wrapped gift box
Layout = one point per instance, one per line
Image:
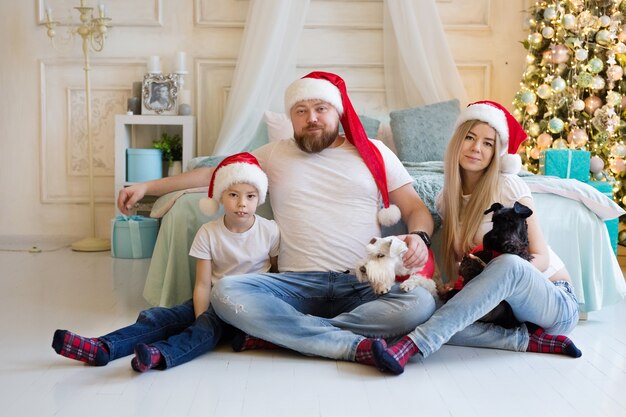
(565, 163)
(133, 237)
(611, 225)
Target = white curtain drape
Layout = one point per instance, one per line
(419, 68)
(266, 65)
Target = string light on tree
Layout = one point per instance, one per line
(573, 91)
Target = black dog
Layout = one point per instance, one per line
(509, 235)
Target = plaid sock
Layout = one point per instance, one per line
(394, 358)
(365, 353)
(542, 342)
(146, 357)
(243, 341)
(89, 350)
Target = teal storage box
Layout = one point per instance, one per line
(611, 225)
(565, 163)
(143, 164)
(133, 237)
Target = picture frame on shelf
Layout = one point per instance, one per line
(160, 94)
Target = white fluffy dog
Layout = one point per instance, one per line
(383, 267)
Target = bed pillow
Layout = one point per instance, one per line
(370, 125)
(421, 133)
(279, 126)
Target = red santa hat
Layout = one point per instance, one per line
(235, 169)
(508, 128)
(332, 89)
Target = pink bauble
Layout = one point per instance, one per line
(534, 153)
(544, 141)
(577, 137)
(615, 72)
(560, 54)
(592, 103)
(622, 34)
(596, 164)
(617, 165)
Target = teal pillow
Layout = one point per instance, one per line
(369, 124)
(421, 133)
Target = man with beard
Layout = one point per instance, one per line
(326, 192)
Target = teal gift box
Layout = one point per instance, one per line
(611, 225)
(133, 237)
(565, 163)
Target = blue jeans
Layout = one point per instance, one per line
(508, 277)
(318, 313)
(175, 331)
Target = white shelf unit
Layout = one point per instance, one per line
(139, 131)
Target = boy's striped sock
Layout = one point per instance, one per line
(365, 352)
(394, 358)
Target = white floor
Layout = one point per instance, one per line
(91, 293)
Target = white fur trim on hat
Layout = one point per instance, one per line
(490, 115)
(389, 216)
(234, 173)
(313, 89)
(510, 163)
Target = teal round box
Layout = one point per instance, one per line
(133, 237)
(143, 164)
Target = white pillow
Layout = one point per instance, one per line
(279, 126)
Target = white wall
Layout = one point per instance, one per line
(43, 185)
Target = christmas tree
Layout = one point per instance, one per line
(573, 90)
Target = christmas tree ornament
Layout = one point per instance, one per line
(577, 138)
(621, 237)
(584, 79)
(558, 85)
(544, 91)
(528, 97)
(544, 141)
(581, 54)
(549, 13)
(535, 39)
(596, 164)
(603, 37)
(532, 109)
(547, 32)
(595, 65)
(619, 150)
(560, 144)
(535, 153)
(569, 21)
(619, 48)
(598, 83)
(605, 20)
(533, 129)
(613, 98)
(578, 105)
(615, 72)
(555, 125)
(592, 103)
(617, 165)
(560, 54)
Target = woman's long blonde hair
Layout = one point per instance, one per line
(460, 226)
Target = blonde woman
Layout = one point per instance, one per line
(481, 164)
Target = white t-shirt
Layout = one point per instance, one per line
(325, 203)
(236, 253)
(512, 189)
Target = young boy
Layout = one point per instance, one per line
(237, 243)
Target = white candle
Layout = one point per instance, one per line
(154, 64)
(102, 10)
(49, 14)
(181, 65)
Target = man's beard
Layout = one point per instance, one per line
(312, 143)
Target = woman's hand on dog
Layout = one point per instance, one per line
(417, 253)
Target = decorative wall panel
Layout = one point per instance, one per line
(123, 12)
(64, 146)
